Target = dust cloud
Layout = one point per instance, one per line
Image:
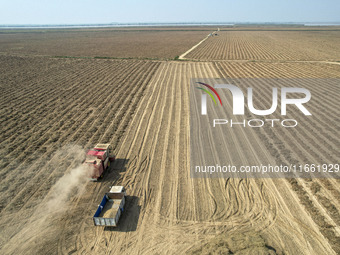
(45, 222)
(70, 183)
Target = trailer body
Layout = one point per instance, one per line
(110, 208)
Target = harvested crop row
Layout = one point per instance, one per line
(83, 110)
(313, 143)
(103, 43)
(268, 45)
(166, 204)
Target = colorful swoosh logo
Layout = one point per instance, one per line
(209, 93)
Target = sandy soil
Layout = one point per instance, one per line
(52, 109)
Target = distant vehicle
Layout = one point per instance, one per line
(111, 207)
(99, 158)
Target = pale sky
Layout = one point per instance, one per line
(107, 11)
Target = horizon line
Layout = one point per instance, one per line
(176, 23)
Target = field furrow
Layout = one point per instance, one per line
(267, 45)
(136, 94)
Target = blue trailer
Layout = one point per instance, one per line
(111, 207)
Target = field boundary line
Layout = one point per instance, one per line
(194, 47)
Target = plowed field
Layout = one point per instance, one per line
(53, 108)
(269, 46)
(101, 43)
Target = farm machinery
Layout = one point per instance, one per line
(99, 159)
(111, 207)
(113, 202)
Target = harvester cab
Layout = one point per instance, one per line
(107, 148)
(99, 159)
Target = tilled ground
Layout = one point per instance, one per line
(50, 107)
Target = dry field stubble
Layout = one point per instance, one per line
(114, 43)
(270, 45)
(49, 103)
(142, 108)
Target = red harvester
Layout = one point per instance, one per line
(99, 157)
